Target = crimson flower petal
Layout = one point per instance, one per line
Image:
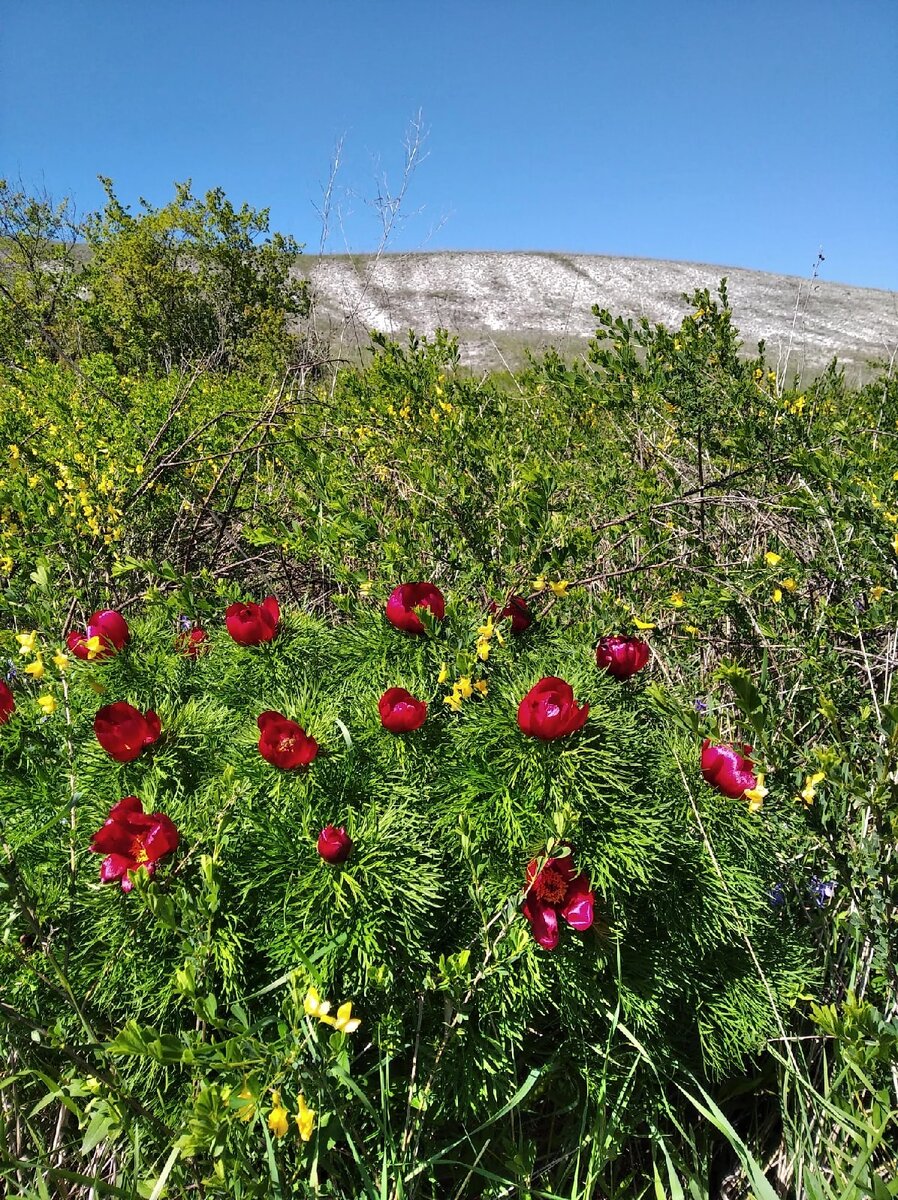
(578, 908)
(114, 866)
(543, 922)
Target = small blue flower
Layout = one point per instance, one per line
(777, 896)
(821, 891)
(184, 623)
(13, 672)
(700, 705)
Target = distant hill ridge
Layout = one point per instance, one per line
(501, 303)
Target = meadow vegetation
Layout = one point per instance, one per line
(337, 974)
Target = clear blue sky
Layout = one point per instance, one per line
(738, 132)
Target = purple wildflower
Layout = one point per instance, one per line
(821, 891)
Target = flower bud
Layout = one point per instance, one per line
(334, 845)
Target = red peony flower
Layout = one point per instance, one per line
(400, 712)
(549, 710)
(334, 845)
(556, 888)
(106, 634)
(406, 598)
(190, 643)
(283, 743)
(249, 624)
(7, 703)
(123, 731)
(728, 770)
(622, 656)
(132, 838)
(517, 609)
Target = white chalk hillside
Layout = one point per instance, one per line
(500, 303)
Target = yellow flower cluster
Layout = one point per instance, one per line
(810, 787)
(462, 689)
(279, 1117)
(755, 796)
(485, 634)
(344, 1021)
(36, 669)
(558, 587)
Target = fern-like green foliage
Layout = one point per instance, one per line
(421, 927)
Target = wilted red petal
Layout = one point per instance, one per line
(192, 642)
(7, 703)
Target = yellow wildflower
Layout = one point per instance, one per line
(877, 593)
(305, 1118)
(539, 584)
(6, 564)
(481, 686)
(454, 701)
(895, 543)
(487, 630)
(788, 584)
(463, 687)
(640, 624)
(314, 1006)
(278, 1117)
(810, 787)
(771, 558)
(36, 668)
(27, 642)
(344, 1021)
(94, 645)
(677, 599)
(444, 673)
(483, 649)
(15, 453)
(755, 796)
(365, 588)
(48, 705)
(560, 588)
(777, 595)
(692, 629)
